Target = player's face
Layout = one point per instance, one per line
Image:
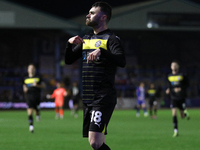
(152, 86)
(75, 84)
(94, 17)
(58, 84)
(174, 66)
(31, 69)
(142, 84)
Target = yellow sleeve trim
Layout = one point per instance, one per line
(175, 78)
(31, 80)
(152, 91)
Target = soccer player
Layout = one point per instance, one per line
(32, 89)
(101, 52)
(59, 93)
(152, 101)
(178, 83)
(75, 97)
(140, 93)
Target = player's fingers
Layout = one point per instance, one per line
(94, 57)
(91, 57)
(76, 40)
(88, 59)
(79, 40)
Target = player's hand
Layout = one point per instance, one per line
(177, 89)
(25, 88)
(76, 40)
(48, 96)
(34, 83)
(93, 56)
(167, 91)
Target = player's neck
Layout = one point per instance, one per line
(175, 72)
(99, 29)
(31, 75)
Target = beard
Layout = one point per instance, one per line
(175, 70)
(91, 23)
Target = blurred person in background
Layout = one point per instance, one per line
(140, 93)
(101, 53)
(59, 95)
(152, 101)
(75, 96)
(178, 83)
(32, 86)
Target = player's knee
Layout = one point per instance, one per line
(182, 116)
(95, 144)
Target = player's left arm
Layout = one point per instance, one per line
(25, 88)
(115, 54)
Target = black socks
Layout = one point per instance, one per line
(175, 122)
(104, 147)
(30, 119)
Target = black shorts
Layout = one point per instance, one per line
(96, 118)
(33, 101)
(180, 104)
(152, 102)
(75, 101)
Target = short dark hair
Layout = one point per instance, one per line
(105, 7)
(32, 64)
(176, 61)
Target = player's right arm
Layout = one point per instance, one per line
(25, 88)
(73, 49)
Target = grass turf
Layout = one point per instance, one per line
(125, 132)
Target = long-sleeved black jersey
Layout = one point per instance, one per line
(178, 81)
(98, 76)
(32, 90)
(152, 94)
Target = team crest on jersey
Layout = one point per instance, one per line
(98, 43)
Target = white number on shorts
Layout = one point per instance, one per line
(96, 116)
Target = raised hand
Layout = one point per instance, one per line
(76, 40)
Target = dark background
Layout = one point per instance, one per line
(71, 8)
(148, 53)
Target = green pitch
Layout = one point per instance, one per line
(125, 132)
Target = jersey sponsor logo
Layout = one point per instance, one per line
(98, 43)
